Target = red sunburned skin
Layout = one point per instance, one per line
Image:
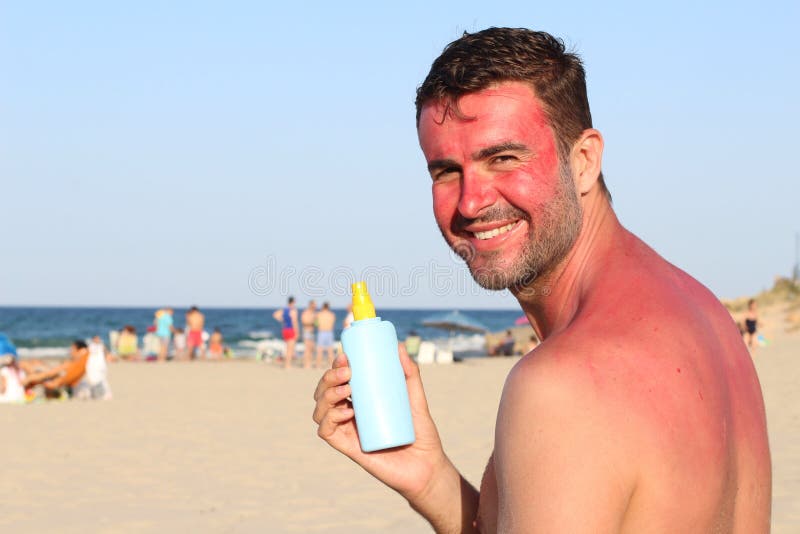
(500, 160)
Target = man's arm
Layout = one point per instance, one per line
(73, 371)
(450, 505)
(560, 459)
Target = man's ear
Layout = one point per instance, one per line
(587, 160)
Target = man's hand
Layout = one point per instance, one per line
(409, 469)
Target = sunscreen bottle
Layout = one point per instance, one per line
(377, 382)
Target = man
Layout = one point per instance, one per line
(164, 329)
(640, 411)
(288, 319)
(65, 375)
(326, 320)
(195, 322)
(307, 319)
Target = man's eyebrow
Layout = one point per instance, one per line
(496, 149)
(438, 164)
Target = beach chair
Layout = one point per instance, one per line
(444, 356)
(427, 352)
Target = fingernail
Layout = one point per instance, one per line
(341, 390)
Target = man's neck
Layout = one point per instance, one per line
(553, 300)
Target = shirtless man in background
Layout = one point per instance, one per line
(640, 411)
(195, 322)
(326, 320)
(307, 321)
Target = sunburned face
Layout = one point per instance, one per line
(500, 197)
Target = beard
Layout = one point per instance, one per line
(549, 240)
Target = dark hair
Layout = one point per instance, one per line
(79, 344)
(291, 300)
(478, 60)
(326, 305)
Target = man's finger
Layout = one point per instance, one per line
(329, 400)
(331, 378)
(339, 361)
(410, 368)
(332, 420)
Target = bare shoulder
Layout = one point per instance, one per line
(560, 446)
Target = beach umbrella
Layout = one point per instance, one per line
(521, 320)
(454, 321)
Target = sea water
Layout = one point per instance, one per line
(42, 332)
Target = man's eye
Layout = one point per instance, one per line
(445, 174)
(504, 158)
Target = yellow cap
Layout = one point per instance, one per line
(362, 304)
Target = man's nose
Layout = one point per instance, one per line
(477, 193)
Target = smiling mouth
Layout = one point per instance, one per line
(494, 232)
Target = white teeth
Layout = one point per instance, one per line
(497, 231)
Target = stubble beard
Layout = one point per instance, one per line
(549, 241)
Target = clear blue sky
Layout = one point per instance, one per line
(217, 152)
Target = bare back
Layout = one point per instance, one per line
(655, 362)
(326, 320)
(195, 320)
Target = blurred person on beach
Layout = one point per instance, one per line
(288, 319)
(308, 320)
(413, 341)
(634, 414)
(151, 344)
(164, 327)
(215, 347)
(195, 345)
(179, 344)
(12, 389)
(348, 318)
(94, 384)
(533, 342)
(505, 347)
(63, 376)
(751, 323)
(128, 344)
(326, 320)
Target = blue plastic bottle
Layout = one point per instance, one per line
(377, 383)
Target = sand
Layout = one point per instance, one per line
(231, 447)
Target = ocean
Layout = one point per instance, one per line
(40, 332)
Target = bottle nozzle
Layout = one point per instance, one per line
(362, 303)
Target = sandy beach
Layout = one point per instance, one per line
(231, 447)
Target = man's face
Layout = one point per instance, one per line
(500, 198)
